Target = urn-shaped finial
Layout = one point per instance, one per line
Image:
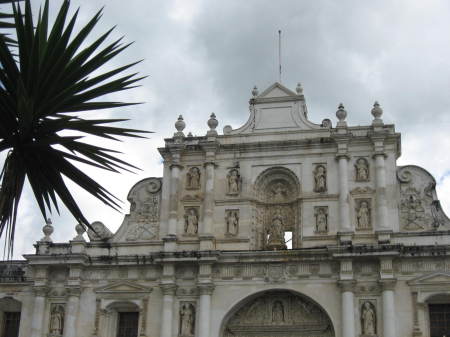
(212, 123)
(180, 124)
(47, 230)
(341, 114)
(299, 89)
(255, 91)
(377, 112)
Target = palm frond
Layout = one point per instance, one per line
(40, 90)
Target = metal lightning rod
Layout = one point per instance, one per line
(279, 54)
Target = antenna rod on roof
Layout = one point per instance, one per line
(279, 54)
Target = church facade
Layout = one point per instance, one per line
(281, 227)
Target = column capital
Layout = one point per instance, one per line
(41, 291)
(168, 288)
(342, 156)
(206, 288)
(388, 284)
(176, 165)
(347, 285)
(73, 291)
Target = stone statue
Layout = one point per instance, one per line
(321, 219)
(100, 232)
(362, 170)
(363, 216)
(279, 192)
(277, 312)
(368, 320)
(191, 222)
(234, 182)
(187, 319)
(320, 179)
(193, 179)
(232, 220)
(57, 320)
(275, 232)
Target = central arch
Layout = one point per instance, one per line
(277, 313)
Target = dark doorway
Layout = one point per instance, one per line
(128, 324)
(439, 320)
(11, 324)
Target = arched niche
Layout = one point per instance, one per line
(277, 208)
(277, 313)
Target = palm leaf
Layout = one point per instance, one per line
(40, 90)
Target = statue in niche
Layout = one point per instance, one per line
(232, 220)
(57, 320)
(362, 170)
(187, 319)
(193, 178)
(275, 232)
(191, 222)
(363, 215)
(321, 214)
(368, 319)
(320, 179)
(279, 192)
(234, 182)
(277, 312)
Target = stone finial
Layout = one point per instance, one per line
(212, 123)
(190, 135)
(47, 230)
(79, 228)
(299, 89)
(255, 91)
(180, 125)
(341, 114)
(377, 112)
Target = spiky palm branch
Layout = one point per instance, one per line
(40, 90)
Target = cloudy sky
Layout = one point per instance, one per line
(204, 56)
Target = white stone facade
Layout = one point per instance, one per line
(203, 251)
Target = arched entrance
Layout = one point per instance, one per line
(278, 313)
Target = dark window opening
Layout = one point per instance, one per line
(11, 323)
(439, 320)
(128, 324)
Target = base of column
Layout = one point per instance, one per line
(207, 242)
(417, 333)
(345, 237)
(170, 243)
(384, 236)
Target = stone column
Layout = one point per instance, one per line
(37, 320)
(206, 237)
(347, 308)
(380, 179)
(71, 314)
(388, 308)
(204, 311)
(173, 200)
(344, 209)
(167, 318)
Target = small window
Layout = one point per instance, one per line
(439, 320)
(128, 324)
(11, 324)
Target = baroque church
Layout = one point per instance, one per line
(279, 228)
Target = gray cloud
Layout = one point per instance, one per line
(204, 56)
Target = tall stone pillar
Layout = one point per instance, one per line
(347, 308)
(37, 320)
(173, 209)
(380, 180)
(389, 329)
(206, 237)
(204, 311)
(167, 318)
(71, 314)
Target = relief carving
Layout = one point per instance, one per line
(191, 221)
(100, 232)
(234, 182)
(142, 232)
(363, 214)
(412, 212)
(320, 179)
(187, 319)
(361, 170)
(193, 179)
(57, 312)
(321, 214)
(368, 319)
(232, 221)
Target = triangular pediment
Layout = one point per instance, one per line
(123, 287)
(277, 90)
(435, 278)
